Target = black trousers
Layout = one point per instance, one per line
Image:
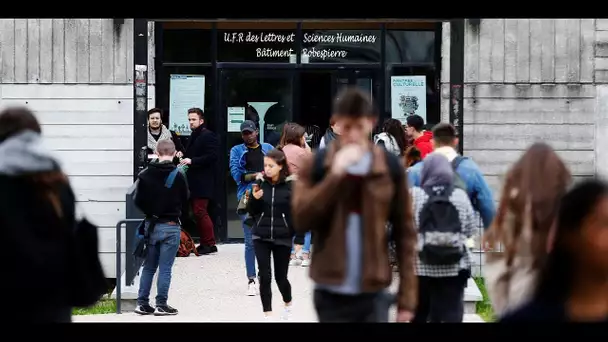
(363, 308)
(281, 256)
(440, 300)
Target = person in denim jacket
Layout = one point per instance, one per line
(246, 162)
(444, 141)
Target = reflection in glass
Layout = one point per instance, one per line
(410, 46)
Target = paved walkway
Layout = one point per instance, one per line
(212, 288)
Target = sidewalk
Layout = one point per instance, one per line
(212, 288)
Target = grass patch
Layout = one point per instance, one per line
(484, 308)
(104, 306)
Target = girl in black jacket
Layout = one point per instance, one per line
(270, 206)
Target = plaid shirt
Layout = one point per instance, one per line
(466, 213)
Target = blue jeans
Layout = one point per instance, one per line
(306, 247)
(164, 243)
(249, 251)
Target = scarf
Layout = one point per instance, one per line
(436, 170)
(165, 133)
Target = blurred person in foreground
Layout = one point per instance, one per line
(573, 284)
(528, 209)
(293, 144)
(443, 269)
(162, 202)
(37, 216)
(346, 194)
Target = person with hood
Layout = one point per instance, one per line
(330, 135)
(162, 206)
(441, 282)
(392, 137)
(157, 131)
(421, 137)
(37, 216)
(273, 233)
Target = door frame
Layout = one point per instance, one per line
(268, 70)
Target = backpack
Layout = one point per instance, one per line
(186, 245)
(440, 228)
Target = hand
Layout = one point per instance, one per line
(185, 161)
(257, 192)
(179, 154)
(404, 316)
(259, 176)
(344, 158)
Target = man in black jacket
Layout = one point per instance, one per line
(161, 202)
(201, 157)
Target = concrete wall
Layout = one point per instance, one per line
(530, 80)
(76, 74)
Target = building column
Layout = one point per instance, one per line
(140, 94)
(457, 78)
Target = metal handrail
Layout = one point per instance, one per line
(119, 260)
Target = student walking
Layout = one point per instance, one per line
(346, 194)
(247, 164)
(293, 144)
(445, 219)
(160, 194)
(526, 218)
(392, 137)
(270, 206)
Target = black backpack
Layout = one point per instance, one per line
(440, 228)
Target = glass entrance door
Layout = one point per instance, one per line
(263, 96)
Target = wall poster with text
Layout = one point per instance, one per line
(185, 92)
(408, 97)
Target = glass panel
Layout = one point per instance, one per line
(341, 46)
(267, 99)
(410, 46)
(187, 46)
(257, 46)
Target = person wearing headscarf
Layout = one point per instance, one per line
(441, 286)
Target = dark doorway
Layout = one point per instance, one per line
(315, 103)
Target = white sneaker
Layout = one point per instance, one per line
(305, 262)
(286, 316)
(251, 290)
(295, 262)
(269, 318)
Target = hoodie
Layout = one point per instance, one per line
(35, 243)
(154, 199)
(423, 143)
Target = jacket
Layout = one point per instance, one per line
(272, 212)
(322, 208)
(37, 268)
(203, 149)
(237, 166)
(154, 199)
(329, 136)
(461, 202)
(294, 155)
(423, 143)
(477, 187)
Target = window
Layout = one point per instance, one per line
(410, 46)
(187, 45)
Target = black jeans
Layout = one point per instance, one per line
(280, 255)
(363, 308)
(440, 300)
